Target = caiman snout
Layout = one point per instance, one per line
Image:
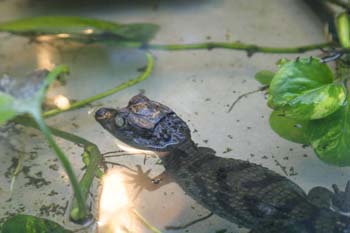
(104, 113)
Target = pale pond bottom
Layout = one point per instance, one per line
(199, 85)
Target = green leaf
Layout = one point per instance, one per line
(282, 61)
(31, 224)
(264, 77)
(80, 29)
(343, 29)
(330, 137)
(304, 89)
(288, 128)
(25, 96)
(6, 110)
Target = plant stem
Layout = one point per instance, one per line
(249, 48)
(89, 175)
(81, 103)
(144, 221)
(95, 158)
(263, 88)
(82, 211)
(339, 3)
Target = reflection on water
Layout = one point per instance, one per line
(61, 102)
(44, 56)
(114, 205)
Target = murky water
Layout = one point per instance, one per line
(198, 85)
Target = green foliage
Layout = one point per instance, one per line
(311, 108)
(288, 128)
(31, 224)
(264, 77)
(330, 137)
(80, 29)
(343, 29)
(304, 89)
(25, 97)
(6, 107)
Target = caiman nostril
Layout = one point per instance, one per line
(102, 113)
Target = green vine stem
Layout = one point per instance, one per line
(144, 221)
(78, 211)
(81, 103)
(82, 210)
(249, 48)
(95, 158)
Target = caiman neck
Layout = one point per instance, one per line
(189, 147)
(182, 155)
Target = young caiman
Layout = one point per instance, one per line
(239, 191)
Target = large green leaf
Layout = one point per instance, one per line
(289, 128)
(25, 96)
(80, 29)
(304, 89)
(264, 77)
(330, 137)
(31, 224)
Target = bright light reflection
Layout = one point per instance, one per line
(88, 31)
(61, 102)
(114, 205)
(44, 58)
(44, 38)
(63, 35)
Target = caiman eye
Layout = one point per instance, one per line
(119, 121)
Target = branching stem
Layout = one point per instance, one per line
(249, 48)
(81, 103)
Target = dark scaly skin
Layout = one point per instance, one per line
(242, 192)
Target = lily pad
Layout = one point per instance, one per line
(304, 89)
(264, 77)
(25, 96)
(330, 137)
(31, 224)
(289, 128)
(80, 29)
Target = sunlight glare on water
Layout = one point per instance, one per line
(44, 58)
(114, 205)
(61, 102)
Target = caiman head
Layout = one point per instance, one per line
(145, 124)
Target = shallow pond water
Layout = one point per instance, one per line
(199, 85)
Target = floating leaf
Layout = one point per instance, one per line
(31, 224)
(264, 77)
(304, 89)
(330, 137)
(80, 29)
(25, 96)
(288, 128)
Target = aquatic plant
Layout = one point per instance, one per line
(310, 102)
